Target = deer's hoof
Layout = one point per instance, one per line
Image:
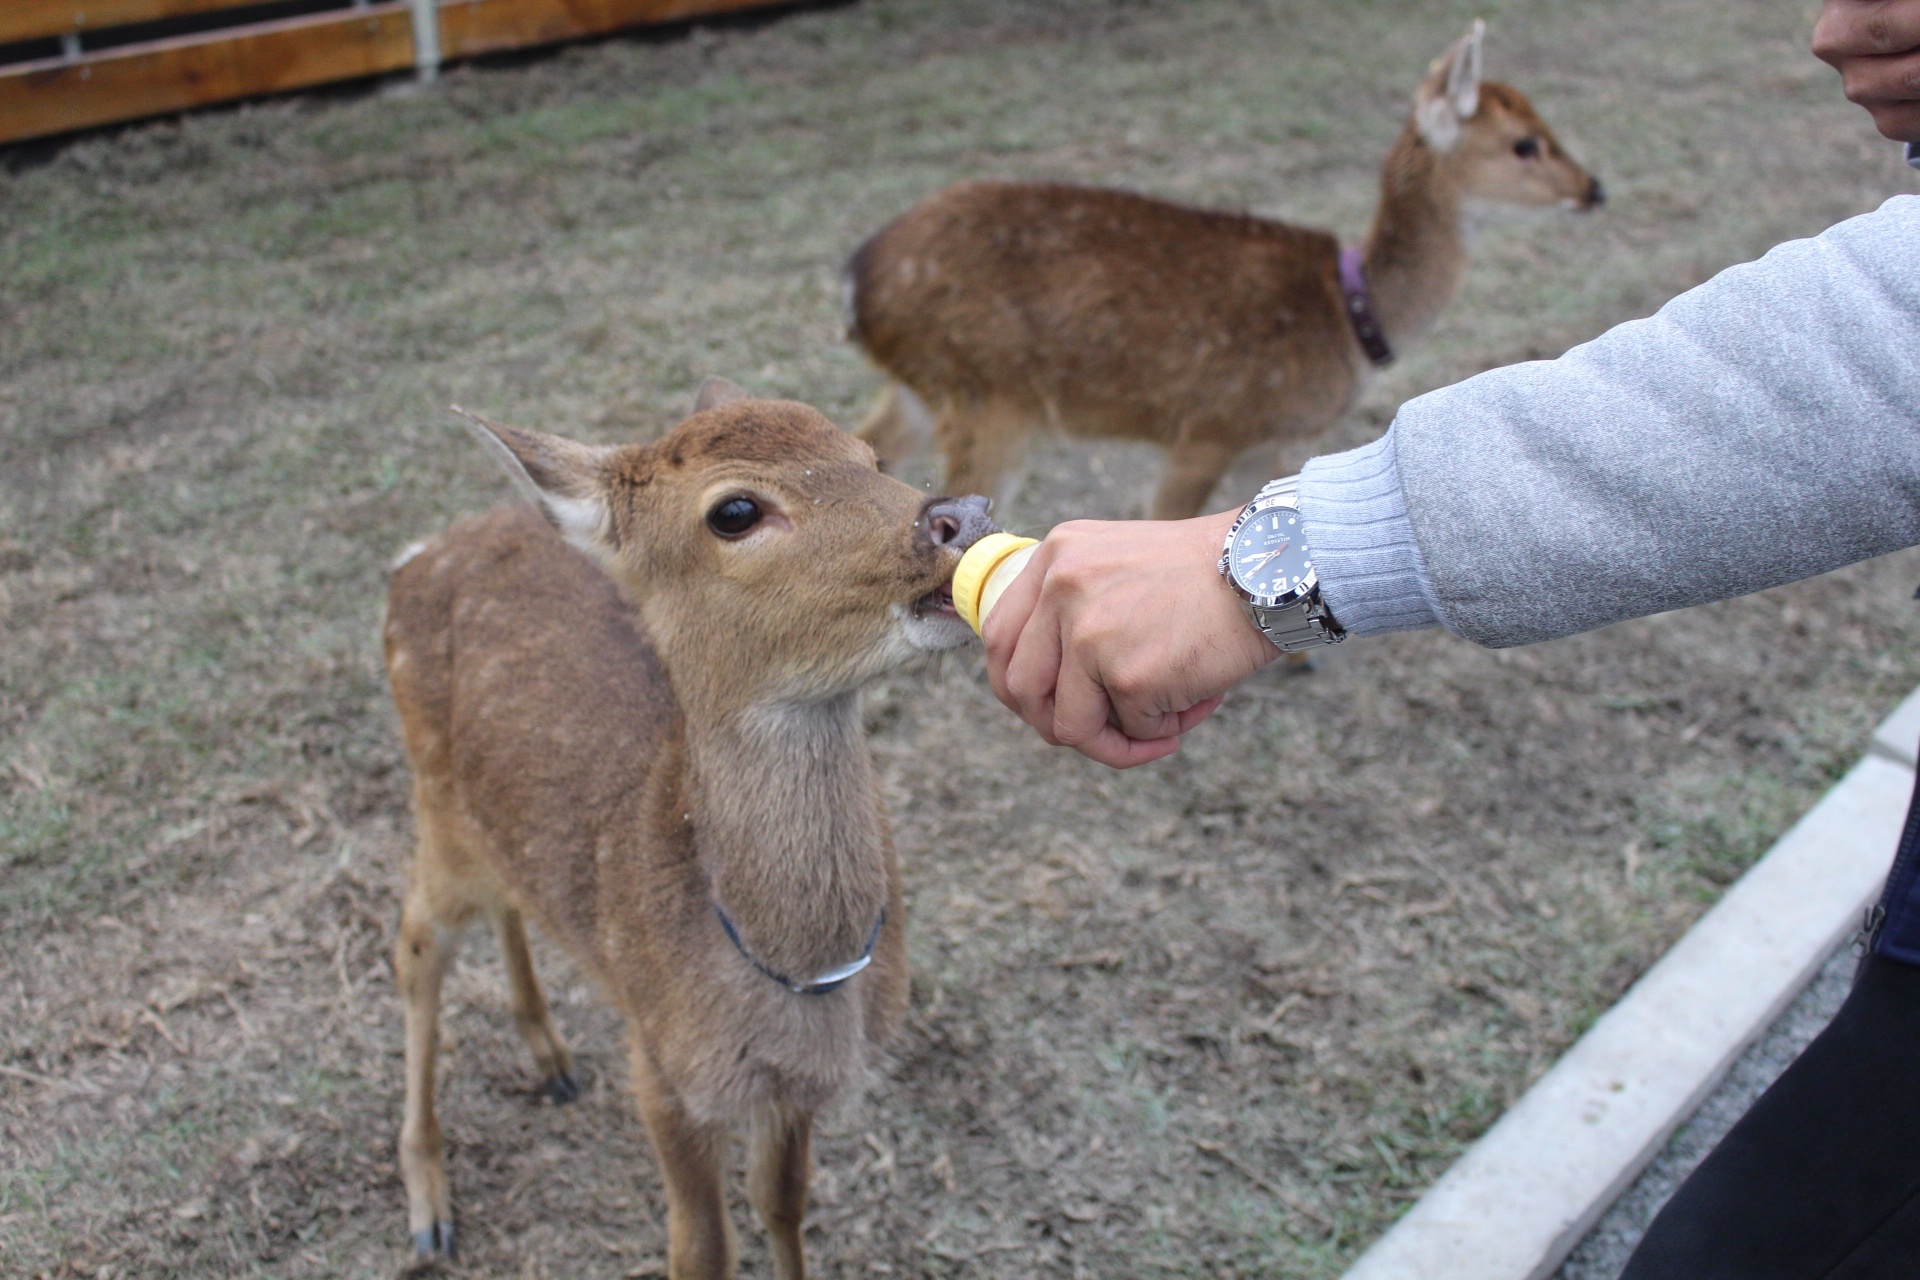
(435, 1242)
(562, 1088)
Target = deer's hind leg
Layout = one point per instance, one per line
(899, 427)
(421, 956)
(782, 1164)
(550, 1054)
(700, 1239)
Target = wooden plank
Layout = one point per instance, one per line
(38, 19)
(469, 28)
(55, 95)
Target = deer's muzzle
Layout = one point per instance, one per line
(958, 523)
(952, 524)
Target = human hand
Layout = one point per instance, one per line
(1875, 46)
(1119, 636)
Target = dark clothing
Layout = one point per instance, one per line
(1821, 1179)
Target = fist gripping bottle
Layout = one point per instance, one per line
(988, 568)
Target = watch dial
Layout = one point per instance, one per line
(1269, 558)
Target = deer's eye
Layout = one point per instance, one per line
(734, 517)
(1527, 148)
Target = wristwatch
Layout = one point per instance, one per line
(1268, 565)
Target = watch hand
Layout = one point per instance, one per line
(1270, 555)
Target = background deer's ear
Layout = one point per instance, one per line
(564, 478)
(1451, 91)
(715, 392)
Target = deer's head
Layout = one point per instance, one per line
(768, 555)
(1490, 138)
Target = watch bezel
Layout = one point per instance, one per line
(1308, 585)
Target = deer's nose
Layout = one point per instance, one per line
(958, 522)
(1596, 194)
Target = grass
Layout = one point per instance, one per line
(226, 344)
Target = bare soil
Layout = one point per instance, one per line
(1225, 1015)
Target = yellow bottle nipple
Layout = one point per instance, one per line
(987, 569)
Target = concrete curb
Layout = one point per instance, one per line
(1521, 1197)
(1899, 734)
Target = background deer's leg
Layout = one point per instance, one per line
(550, 1055)
(899, 427)
(777, 1185)
(420, 959)
(982, 442)
(1192, 469)
(700, 1243)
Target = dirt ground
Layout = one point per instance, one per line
(1225, 1015)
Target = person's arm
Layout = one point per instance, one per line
(1760, 428)
(1771, 390)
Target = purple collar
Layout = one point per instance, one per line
(1353, 284)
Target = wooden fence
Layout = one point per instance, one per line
(74, 66)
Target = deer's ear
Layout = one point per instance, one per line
(565, 479)
(1463, 71)
(715, 392)
(1451, 91)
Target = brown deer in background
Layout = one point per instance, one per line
(659, 759)
(999, 307)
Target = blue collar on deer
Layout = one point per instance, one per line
(1353, 287)
(818, 985)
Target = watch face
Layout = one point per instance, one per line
(1268, 557)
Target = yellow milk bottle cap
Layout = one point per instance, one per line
(971, 574)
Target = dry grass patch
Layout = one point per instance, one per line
(1225, 1015)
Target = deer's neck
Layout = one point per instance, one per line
(1416, 249)
(789, 828)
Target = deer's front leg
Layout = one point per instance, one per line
(1192, 472)
(700, 1243)
(777, 1185)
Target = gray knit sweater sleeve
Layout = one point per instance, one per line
(1761, 428)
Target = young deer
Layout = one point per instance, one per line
(997, 307)
(659, 759)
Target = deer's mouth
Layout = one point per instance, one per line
(931, 623)
(936, 603)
